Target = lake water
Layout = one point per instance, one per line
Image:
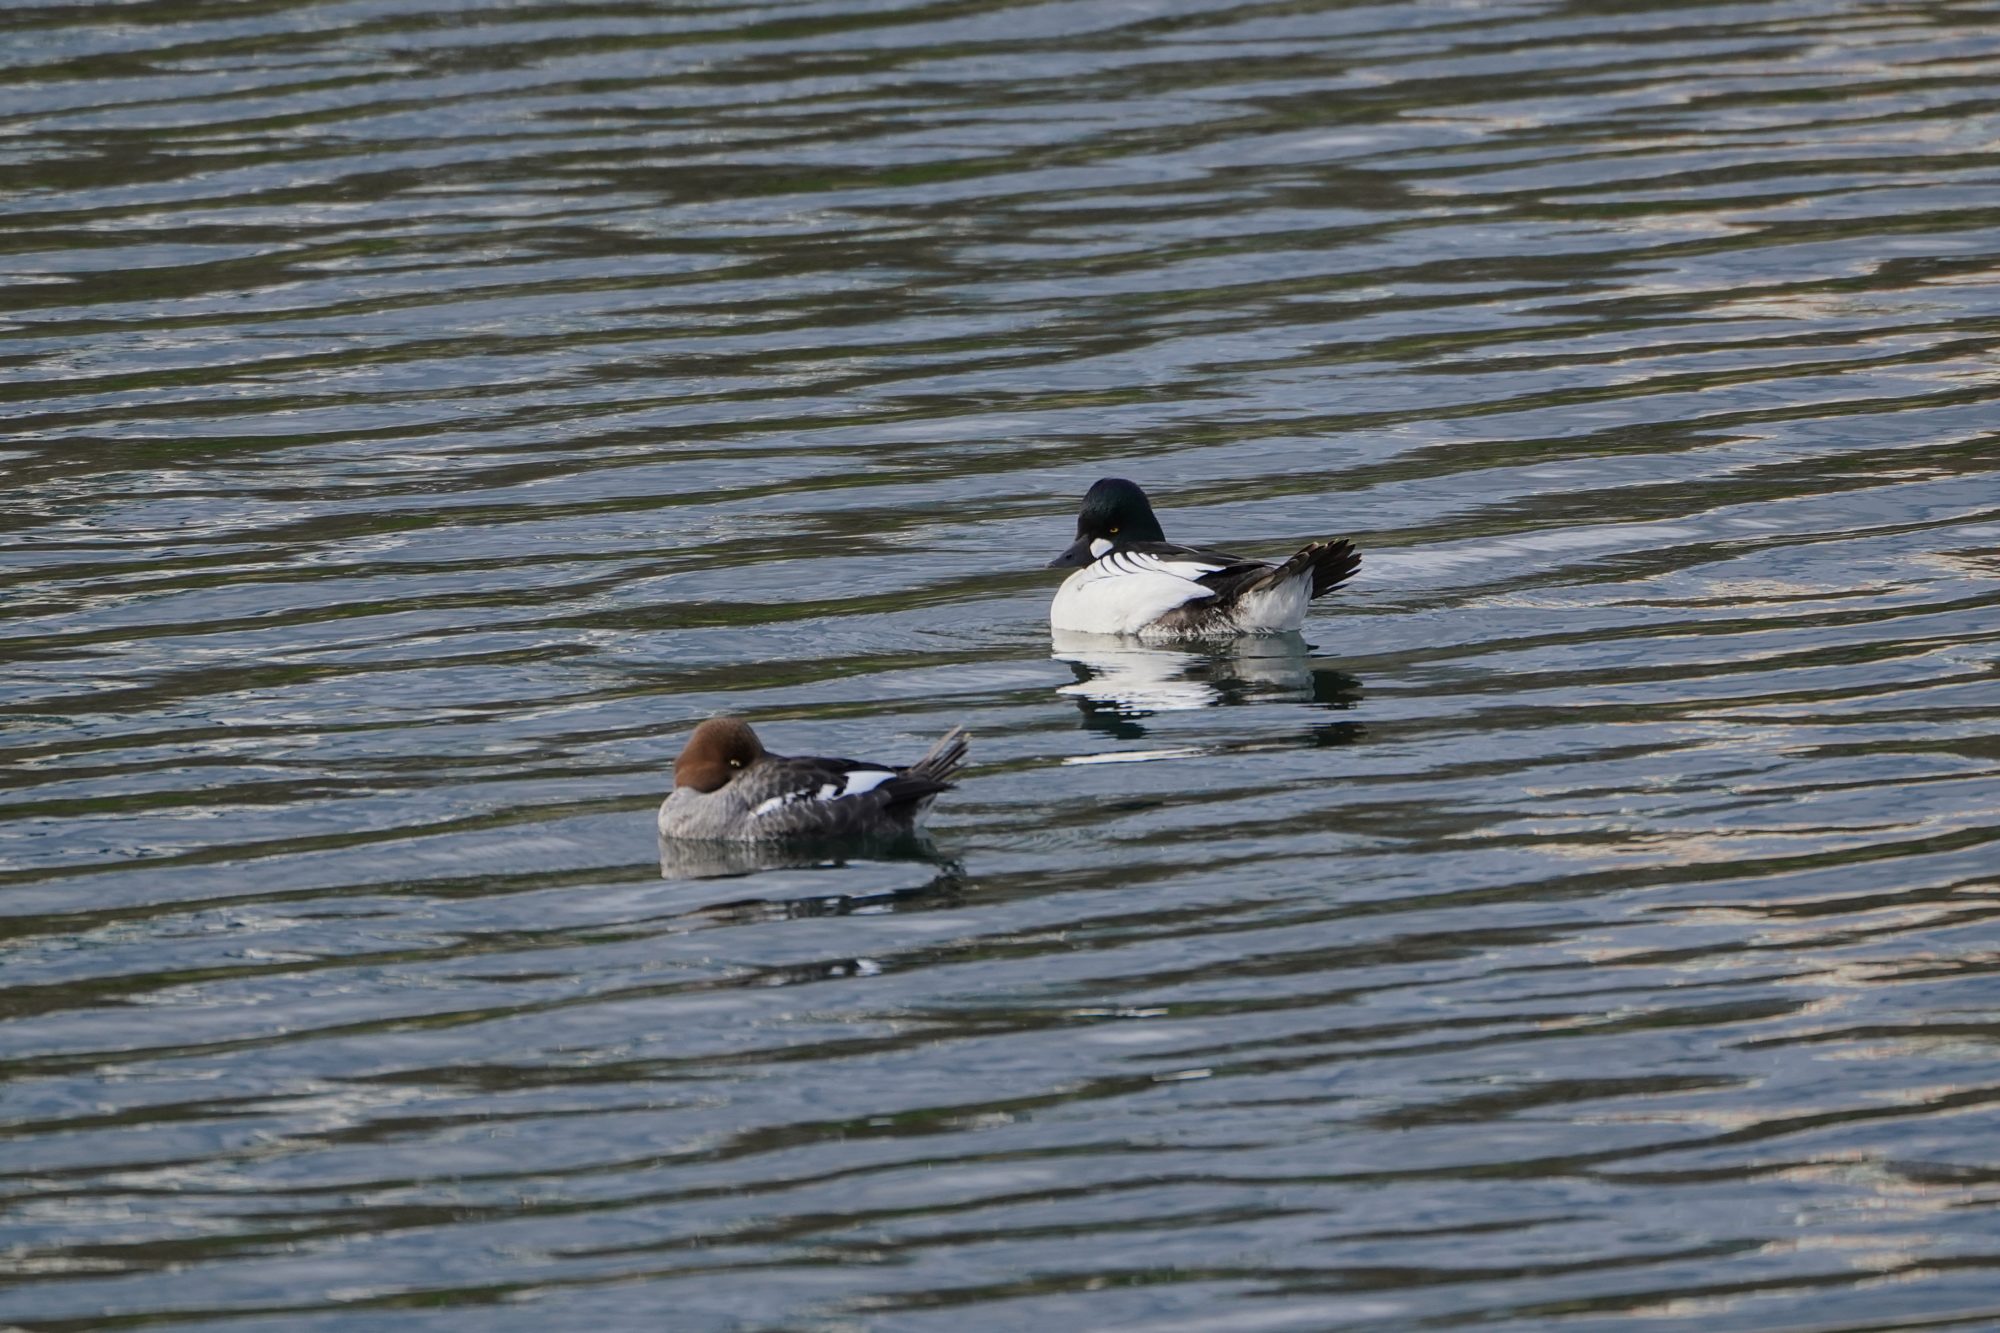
(417, 417)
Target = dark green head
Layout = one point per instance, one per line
(1115, 513)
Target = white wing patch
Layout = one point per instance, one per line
(1181, 567)
(857, 781)
(865, 779)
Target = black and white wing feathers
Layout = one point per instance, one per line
(1219, 573)
(823, 796)
(1188, 562)
(1330, 564)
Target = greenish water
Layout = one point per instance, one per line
(418, 418)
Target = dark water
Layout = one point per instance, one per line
(418, 417)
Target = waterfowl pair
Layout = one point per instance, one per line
(1129, 580)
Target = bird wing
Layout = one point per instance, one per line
(1212, 569)
(789, 782)
(805, 794)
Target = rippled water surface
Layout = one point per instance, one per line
(418, 417)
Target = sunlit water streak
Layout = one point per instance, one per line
(417, 419)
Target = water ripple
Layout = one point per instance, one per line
(417, 420)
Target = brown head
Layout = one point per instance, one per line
(720, 748)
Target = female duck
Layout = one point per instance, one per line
(1131, 580)
(727, 786)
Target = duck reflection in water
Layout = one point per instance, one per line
(1120, 681)
(681, 860)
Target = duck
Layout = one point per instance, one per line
(729, 788)
(1130, 580)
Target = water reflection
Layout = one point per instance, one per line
(733, 860)
(704, 861)
(1120, 681)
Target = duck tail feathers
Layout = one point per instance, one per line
(943, 758)
(1330, 564)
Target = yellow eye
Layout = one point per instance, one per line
(736, 763)
(1114, 532)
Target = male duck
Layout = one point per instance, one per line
(727, 786)
(1131, 580)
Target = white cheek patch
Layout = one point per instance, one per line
(864, 779)
(1098, 546)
